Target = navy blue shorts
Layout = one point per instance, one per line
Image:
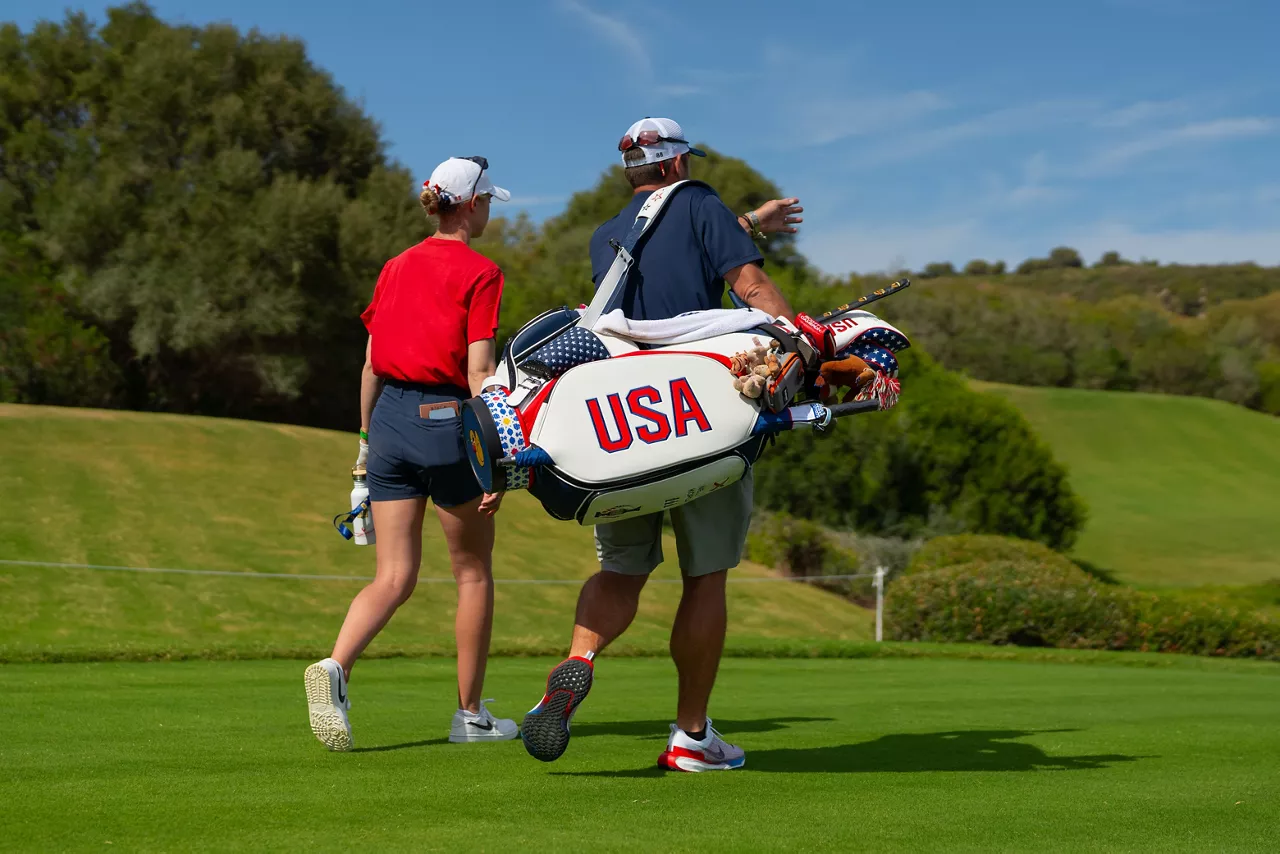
(415, 446)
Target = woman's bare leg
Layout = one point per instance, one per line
(398, 525)
(469, 535)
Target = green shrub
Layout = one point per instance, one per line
(941, 552)
(946, 459)
(1052, 604)
(804, 549)
(1164, 624)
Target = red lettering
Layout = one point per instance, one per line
(602, 431)
(662, 429)
(685, 408)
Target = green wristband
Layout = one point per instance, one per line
(364, 435)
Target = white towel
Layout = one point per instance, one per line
(683, 328)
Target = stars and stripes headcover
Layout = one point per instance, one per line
(575, 346)
(877, 357)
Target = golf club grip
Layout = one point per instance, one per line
(866, 299)
(854, 408)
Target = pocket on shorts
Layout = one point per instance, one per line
(436, 441)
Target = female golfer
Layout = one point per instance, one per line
(431, 327)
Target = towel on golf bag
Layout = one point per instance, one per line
(684, 328)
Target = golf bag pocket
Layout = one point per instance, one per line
(783, 388)
(575, 346)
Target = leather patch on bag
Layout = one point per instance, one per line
(446, 409)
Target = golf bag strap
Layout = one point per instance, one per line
(612, 286)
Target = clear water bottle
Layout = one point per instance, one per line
(362, 524)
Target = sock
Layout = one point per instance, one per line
(700, 735)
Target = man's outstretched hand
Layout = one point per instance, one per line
(780, 215)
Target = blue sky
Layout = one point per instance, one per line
(912, 131)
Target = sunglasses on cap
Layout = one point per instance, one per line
(483, 163)
(645, 137)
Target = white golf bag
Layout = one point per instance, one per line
(604, 418)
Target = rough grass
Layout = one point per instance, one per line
(147, 490)
(1181, 490)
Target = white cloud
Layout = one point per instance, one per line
(613, 30)
(871, 247)
(1006, 121)
(1140, 112)
(825, 120)
(866, 247)
(1184, 246)
(1217, 130)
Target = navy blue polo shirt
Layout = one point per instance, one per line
(683, 258)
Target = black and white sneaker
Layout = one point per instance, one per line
(481, 726)
(328, 704)
(545, 730)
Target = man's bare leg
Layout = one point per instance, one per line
(697, 642)
(606, 607)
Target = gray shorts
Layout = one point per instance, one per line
(711, 534)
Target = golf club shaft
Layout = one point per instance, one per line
(862, 301)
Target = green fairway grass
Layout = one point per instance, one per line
(876, 755)
(1180, 490)
(152, 490)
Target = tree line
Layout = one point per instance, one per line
(192, 219)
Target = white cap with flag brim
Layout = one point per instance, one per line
(455, 179)
(672, 141)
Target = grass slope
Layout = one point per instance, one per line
(876, 755)
(1181, 490)
(121, 488)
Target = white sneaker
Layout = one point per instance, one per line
(711, 754)
(328, 704)
(481, 727)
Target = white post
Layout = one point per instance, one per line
(879, 582)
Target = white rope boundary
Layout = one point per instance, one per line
(224, 573)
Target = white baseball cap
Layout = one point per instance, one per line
(659, 139)
(458, 178)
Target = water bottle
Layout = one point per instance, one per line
(362, 524)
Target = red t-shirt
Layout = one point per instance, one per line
(431, 301)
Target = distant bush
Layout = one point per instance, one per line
(804, 549)
(1029, 603)
(941, 552)
(946, 459)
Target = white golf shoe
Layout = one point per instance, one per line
(481, 726)
(712, 753)
(328, 704)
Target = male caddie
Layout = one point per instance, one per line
(696, 247)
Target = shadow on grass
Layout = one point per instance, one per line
(963, 750)
(642, 729)
(650, 729)
(430, 742)
(1106, 576)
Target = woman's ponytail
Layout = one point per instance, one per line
(435, 201)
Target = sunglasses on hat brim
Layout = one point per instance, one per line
(652, 137)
